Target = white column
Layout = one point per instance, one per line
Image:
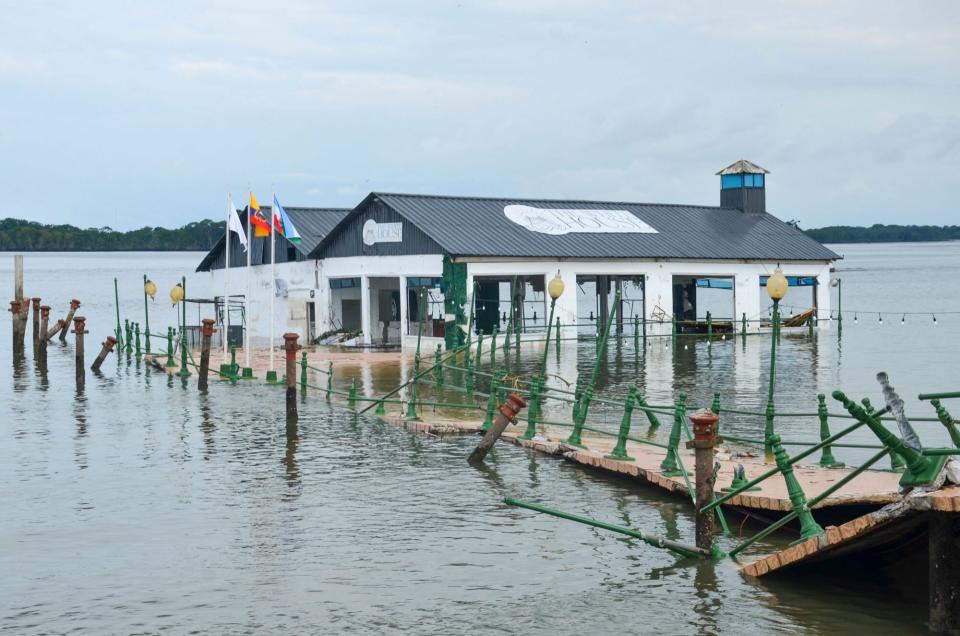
(404, 320)
(823, 297)
(365, 309)
(566, 309)
(746, 299)
(658, 293)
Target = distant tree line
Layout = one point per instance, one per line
(884, 233)
(27, 236)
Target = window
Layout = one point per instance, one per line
(344, 283)
(423, 281)
(731, 181)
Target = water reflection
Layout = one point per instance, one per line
(290, 459)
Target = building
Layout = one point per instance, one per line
(297, 275)
(402, 265)
(393, 250)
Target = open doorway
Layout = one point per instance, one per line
(503, 300)
(424, 295)
(702, 303)
(800, 303)
(345, 309)
(384, 303)
(596, 294)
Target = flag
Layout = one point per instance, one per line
(262, 228)
(287, 228)
(234, 224)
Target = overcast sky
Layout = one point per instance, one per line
(130, 114)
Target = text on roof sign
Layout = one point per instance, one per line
(374, 232)
(568, 221)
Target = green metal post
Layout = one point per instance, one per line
(146, 316)
(808, 526)
(670, 466)
(184, 371)
(411, 413)
(469, 385)
(770, 411)
(947, 421)
(128, 330)
(896, 464)
(330, 380)
(827, 460)
(233, 362)
(533, 409)
(170, 361)
(352, 395)
(381, 408)
(303, 372)
(577, 396)
(478, 358)
(743, 323)
(620, 450)
(438, 367)
(715, 407)
(491, 405)
(651, 416)
(546, 342)
(636, 333)
(136, 330)
(557, 345)
(116, 301)
(584, 405)
(493, 347)
(921, 470)
(709, 326)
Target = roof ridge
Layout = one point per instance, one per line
(531, 200)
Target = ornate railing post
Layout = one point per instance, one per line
(827, 460)
(949, 423)
(651, 416)
(620, 450)
(670, 466)
(808, 526)
(896, 463)
(533, 410)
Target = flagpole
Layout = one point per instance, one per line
(226, 281)
(247, 301)
(273, 272)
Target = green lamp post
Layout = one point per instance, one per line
(776, 289)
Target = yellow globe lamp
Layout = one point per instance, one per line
(777, 285)
(150, 289)
(176, 294)
(556, 286)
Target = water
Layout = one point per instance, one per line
(141, 506)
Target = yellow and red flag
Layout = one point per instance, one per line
(260, 224)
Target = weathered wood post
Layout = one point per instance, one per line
(74, 304)
(508, 413)
(44, 319)
(18, 276)
(206, 332)
(944, 550)
(104, 350)
(703, 443)
(17, 336)
(290, 346)
(79, 329)
(36, 324)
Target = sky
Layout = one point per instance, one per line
(127, 114)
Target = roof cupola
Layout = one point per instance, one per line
(742, 186)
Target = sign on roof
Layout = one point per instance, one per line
(374, 232)
(566, 221)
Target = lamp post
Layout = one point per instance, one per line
(776, 289)
(149, 289)
(555, 288)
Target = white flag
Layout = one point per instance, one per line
(233, 221)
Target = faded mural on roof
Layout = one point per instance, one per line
(567, 221)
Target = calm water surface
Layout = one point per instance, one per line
(142, 506)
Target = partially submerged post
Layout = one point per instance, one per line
(79, 329)
(44, 319)
(290, 346)
(508, 413)
(703, 443)
(74, 304)
(206, 333)
(104, 350)
(17, 334)
(36, 324)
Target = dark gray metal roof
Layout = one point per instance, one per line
(469, 226)
(313, 224)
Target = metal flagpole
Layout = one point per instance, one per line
(247, 301)
(226, 281)
(273, 272)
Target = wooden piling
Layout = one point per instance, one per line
(104, 350)
(18, 277)
(207, 333)
(79, 329)
(17, 335)
(508, 413)
(704, 441)
(74, 304)
(944, 550)
(36, 325)
(42, 347)
(54, 330)
(291, 347)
